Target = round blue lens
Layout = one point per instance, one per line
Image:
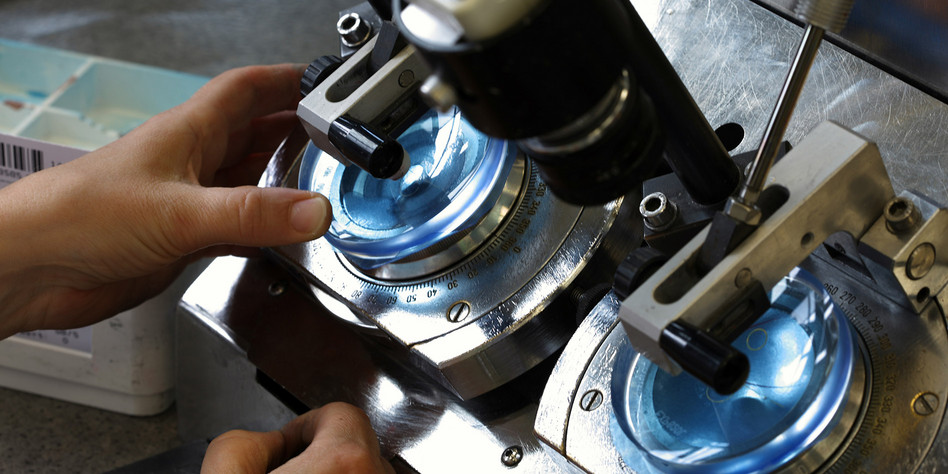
(456, 175)
(801, 354)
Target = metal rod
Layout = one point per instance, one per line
(806, 53)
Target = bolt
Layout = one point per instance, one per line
(925, 403)
(591, 400)
(901, 215)
(920, 261)
(438, 93)
(512, 456)
(353, 30)
(742, 212)
(459, 311)
(406, 78)
(276, 288)
(743, 278)
(659, 213)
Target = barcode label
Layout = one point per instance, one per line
(21, 158)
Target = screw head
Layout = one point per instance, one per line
(742, 212)
(512, 456)
(659, 213)
(353, 30)
(591, 400)
(925, 403)
(406, 78)
(901, 215)
(459, 311)
(743, 278)
(920, 261)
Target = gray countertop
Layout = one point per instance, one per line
(205, 37)
(39, 434)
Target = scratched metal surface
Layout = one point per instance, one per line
(734, 55)
(906, 35)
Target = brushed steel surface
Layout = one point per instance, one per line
(733, 55)
(907, 36)
(318, 358)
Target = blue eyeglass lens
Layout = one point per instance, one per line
(801, 354)
(455, 176)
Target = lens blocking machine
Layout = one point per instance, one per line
(602, 236)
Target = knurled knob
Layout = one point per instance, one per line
(317, 72)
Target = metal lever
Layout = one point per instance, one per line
(820, 15)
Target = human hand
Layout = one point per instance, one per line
(88, 239)
(331, 439)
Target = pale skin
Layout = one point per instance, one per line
(85, 240)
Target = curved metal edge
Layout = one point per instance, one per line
(560, 393)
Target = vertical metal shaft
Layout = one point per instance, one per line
(787, 101)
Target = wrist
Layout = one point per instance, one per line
(17, 261)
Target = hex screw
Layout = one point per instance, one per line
(353, 30)
(901, 215)
(659, 213)
(925, 403)
(920, 261)
(458, 311)
(591, 400)
(276, 288)
(512, 456)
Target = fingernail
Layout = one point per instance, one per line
(311, 216)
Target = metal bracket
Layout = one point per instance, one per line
(836, 181)
(352, 91)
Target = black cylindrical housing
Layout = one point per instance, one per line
(613, 165)
(693, 150)
(540, 75)
(715, 363)
(547, 73)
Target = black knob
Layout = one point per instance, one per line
(368, 148)
(719, 365)
(317, 72)
(635, 269)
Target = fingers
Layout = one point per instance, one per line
(262, 135)
(240, 451)
(229, 101)
(249, 216)
(335, 438)
(246, 172)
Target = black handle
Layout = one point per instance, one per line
(375, 152)
(715, 363)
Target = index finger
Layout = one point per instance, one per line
(231, 100)
(240, 451)
(339, 438)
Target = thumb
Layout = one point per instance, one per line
(257, 217)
